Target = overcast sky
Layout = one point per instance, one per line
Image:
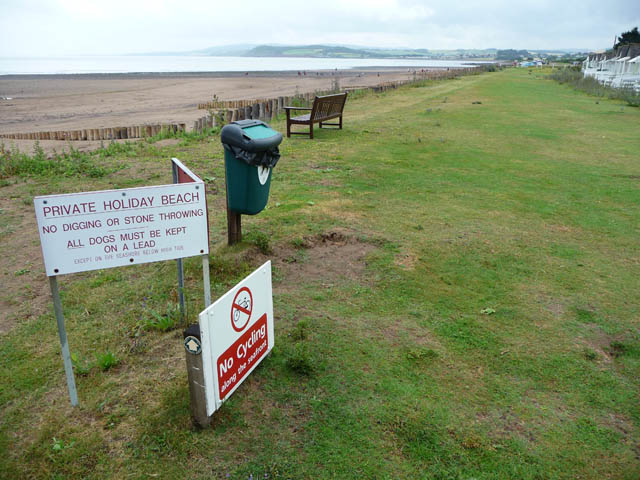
(70, 27)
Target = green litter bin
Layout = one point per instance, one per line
(250, 153)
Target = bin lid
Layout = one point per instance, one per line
(250, 135)
(259, 131)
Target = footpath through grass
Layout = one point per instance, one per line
(456, 297)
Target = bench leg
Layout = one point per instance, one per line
(311, 131)
(288, 130)
(340, 122)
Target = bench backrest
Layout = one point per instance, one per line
(327, 107)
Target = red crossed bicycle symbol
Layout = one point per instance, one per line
(241, 309)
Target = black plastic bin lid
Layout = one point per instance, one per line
(252, 141)
(250, 135)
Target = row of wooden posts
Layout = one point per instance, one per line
(264, 110)
(417, 76)
(112, 133)
(223, 112)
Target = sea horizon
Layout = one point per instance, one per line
(125, 64)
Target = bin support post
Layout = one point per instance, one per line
(196, 381)
(234, 227)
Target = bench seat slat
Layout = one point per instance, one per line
(302, 118)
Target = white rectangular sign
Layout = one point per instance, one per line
(237, 334)
(112, 228)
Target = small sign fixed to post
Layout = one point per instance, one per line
(237, 334)
(193, 345)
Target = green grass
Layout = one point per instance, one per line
(492, 332)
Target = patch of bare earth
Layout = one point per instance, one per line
(604, 345)
(549, 308)
(624, 425)
(324, 259)
(406, 260)
(506, 424)
(406, 333)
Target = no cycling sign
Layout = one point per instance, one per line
(237, 334)
(241, 309)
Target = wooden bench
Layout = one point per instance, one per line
(324, 108)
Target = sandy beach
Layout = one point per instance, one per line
(31, 103)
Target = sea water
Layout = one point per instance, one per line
(188, 63)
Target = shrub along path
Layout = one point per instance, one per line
(456, 296)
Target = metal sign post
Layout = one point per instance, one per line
(181, 174)
(62, 333)
(183, 308)
(205, 281)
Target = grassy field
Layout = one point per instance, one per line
(455, 290)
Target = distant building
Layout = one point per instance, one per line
(618, 68)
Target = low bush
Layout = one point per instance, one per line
(260, 240)
(574, 77)
(166, 322)
(107, 360)
(299, 361)
(69, 164)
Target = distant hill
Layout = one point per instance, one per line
(358, 51)
(226, 50)
(340, 51)
(329, 51)
(511, 54)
